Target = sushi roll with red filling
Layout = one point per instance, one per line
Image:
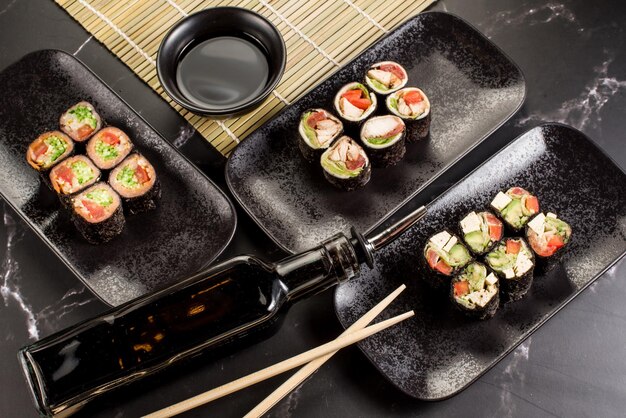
(513, 262)
(481, 231)
(108, 147)
(136, 182)
(386, 77)
(346, 165)
(515, 206)
(80, 121)
(444, 255)
(98, 214)
(73, 175)
(48, 149)
(413, 106)
(318, 129)
(547, 234)
(354, 103)
(475, 291)
(383, 138)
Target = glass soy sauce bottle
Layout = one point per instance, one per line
(231, 301)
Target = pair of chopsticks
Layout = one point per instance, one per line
(314, 357)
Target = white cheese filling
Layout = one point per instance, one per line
(538, 224)
(500, 201)
(471, 223)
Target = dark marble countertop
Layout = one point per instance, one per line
(573, 56)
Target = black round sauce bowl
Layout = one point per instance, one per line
(213, 23)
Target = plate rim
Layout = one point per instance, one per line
(539, 324)
(49, 243)
(444, 169)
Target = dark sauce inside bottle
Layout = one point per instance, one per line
(222, 72)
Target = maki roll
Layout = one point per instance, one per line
(136, 182)
(513, 262)
(318, 129)
(516, 206)
(108, 147)
(386, 77)
(98, 214)
(412, 105)
(73, 175)
(346, 165)
(80, 121)
(474, 291)
(383, 137)
(48, 149)
(481, 231)
(354, 103)
(547, 234)
(444, 255)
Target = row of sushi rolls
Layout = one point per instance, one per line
(346, 162)
(480, 265)
(97, 207)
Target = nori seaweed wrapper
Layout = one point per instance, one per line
(98, 233)
(145, 202)
(351, 183)
(417, 129)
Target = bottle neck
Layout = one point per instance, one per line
(316, 270)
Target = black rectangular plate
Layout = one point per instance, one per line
(473, 88)
(439, 352)
(191, 226)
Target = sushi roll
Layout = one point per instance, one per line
(386, 77)
(136, 182)
(98, 214)
(354, 103)
(513, 262)
(383, 137)
(318, 129)
(73, 175)
(346, 165)
(444, 255)
(108, 147)
(481, 231)
(474, 291)
(48, 149)
(80, 121)
(547, 234)
(516, 206)
(413, 106)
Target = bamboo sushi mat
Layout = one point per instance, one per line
(321, 36)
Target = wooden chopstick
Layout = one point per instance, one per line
(295, 380)
(277, 368)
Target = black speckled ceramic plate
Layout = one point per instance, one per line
(192, 225)
(440, 352)
(473, 88)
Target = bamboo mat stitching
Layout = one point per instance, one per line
(365, 15)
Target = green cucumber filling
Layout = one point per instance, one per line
(101, 196)
(308, 131)
(57, 145)
(339, 168)
(557, 226)
(457, 256)
(514, 214)
(377, 84)
(84, 114)
(393, 103)
(82, 171)
(381, 141)
(475, 274)
(126, 176)
(106, 151)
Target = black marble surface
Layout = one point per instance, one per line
(573, 56)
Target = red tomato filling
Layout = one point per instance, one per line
(412, 97)
(532, 204)
(96, 211)
(314, 118)
(109, 138)
(141, 174)
(393, 69)
(461, 288)
(513, 247)
(355, 97)
(84, 131)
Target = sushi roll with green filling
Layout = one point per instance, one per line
(516, 206)
(48, 149)
(80, 121)
(413, 106)
(386, 77)
(136, 182)
(383, 137)
(513, 262)
(354, 103)
(547, 234)
(318, 129)
(346, 165)
(444, 255)
(109, 147)
(98, 214)
(73, 175)
(474, 291)
(481, 231)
